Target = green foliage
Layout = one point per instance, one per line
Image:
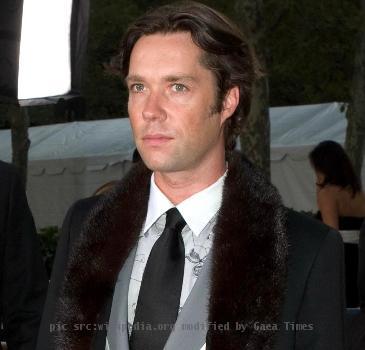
(311, 50)
(105, 94)
(48, 237)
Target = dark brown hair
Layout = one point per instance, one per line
(227, 53)
(330, 159)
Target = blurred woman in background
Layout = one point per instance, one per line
(341, 202)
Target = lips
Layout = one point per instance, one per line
(156, 139)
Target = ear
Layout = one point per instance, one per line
(230, 103)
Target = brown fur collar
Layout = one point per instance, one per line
(249, 258)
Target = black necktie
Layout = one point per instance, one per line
(159, 295)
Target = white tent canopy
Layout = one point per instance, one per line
(98, 138)
(293, 129)
(294, 133)
(70, 161)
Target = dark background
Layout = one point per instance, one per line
(309, 48)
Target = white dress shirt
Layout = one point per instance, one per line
(199, 211)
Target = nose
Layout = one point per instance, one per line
(153, 107)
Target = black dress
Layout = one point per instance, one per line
(350, 223)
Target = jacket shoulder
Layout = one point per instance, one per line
(309, 241)
(315, 292)
(78, 214)
(84, 205)
(306, 230)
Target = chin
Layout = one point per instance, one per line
(161, 165)
(153, 163)
(156, 161)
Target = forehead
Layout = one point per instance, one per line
(165, 52)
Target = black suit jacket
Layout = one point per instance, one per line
(23, 277)
(282, 267)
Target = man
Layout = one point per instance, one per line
(253, 275)
(23, 279)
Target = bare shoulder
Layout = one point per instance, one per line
(328, 193)
(327, 200)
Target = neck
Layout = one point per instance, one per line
(178, 186)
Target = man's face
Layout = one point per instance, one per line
(171, 104)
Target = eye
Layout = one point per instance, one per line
(179, 87)
(138, 87)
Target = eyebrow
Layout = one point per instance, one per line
(168, 78)
(134, 77)
(171, 78)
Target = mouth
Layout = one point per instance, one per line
(156, 139)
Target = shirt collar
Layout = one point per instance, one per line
(197, 210)
(158, 204)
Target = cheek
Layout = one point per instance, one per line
(135, 123)
(134, 111)
(130, 109)
(132, 105)
(136, 103)
(197, 130)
